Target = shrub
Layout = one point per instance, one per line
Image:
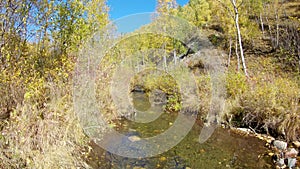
(236, 84)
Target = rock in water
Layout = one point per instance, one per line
(281, 145)
(292, 162)
(280, 162)
(130, 145)
(134, 138)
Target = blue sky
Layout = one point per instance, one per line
(120, 8)
(122, 12)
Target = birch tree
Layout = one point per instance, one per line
(166, 7)
(232, 9)
(239, 36)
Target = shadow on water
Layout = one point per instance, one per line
(224, 149)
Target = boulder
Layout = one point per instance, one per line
(291, 153)
(280, 162)
(291, 162)
(281, 145)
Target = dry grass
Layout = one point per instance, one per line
(47, 137)
(269, 101)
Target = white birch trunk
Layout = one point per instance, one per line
(175, 57)
(239, 36)
(277, 30)
(237, 55)
(262, 24)
(229, 55)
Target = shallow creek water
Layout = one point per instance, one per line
(224, 149)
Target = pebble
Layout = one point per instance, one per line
(134, 138)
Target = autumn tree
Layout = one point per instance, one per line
(197, 12)
(166, 6)
(39, 40)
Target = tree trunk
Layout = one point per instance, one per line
(165, 58)
(277, 30)
(262, 24)
(238, 31)
(175, 57)
(165, 62)
(229, 55)
(237, 55)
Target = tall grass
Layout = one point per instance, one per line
(43, 136)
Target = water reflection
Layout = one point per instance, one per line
(224, 149)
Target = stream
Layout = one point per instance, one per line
(224, 149)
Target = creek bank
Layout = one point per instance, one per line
(283, 154)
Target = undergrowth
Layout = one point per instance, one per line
(268, 102)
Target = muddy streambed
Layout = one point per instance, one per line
(224, 149)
